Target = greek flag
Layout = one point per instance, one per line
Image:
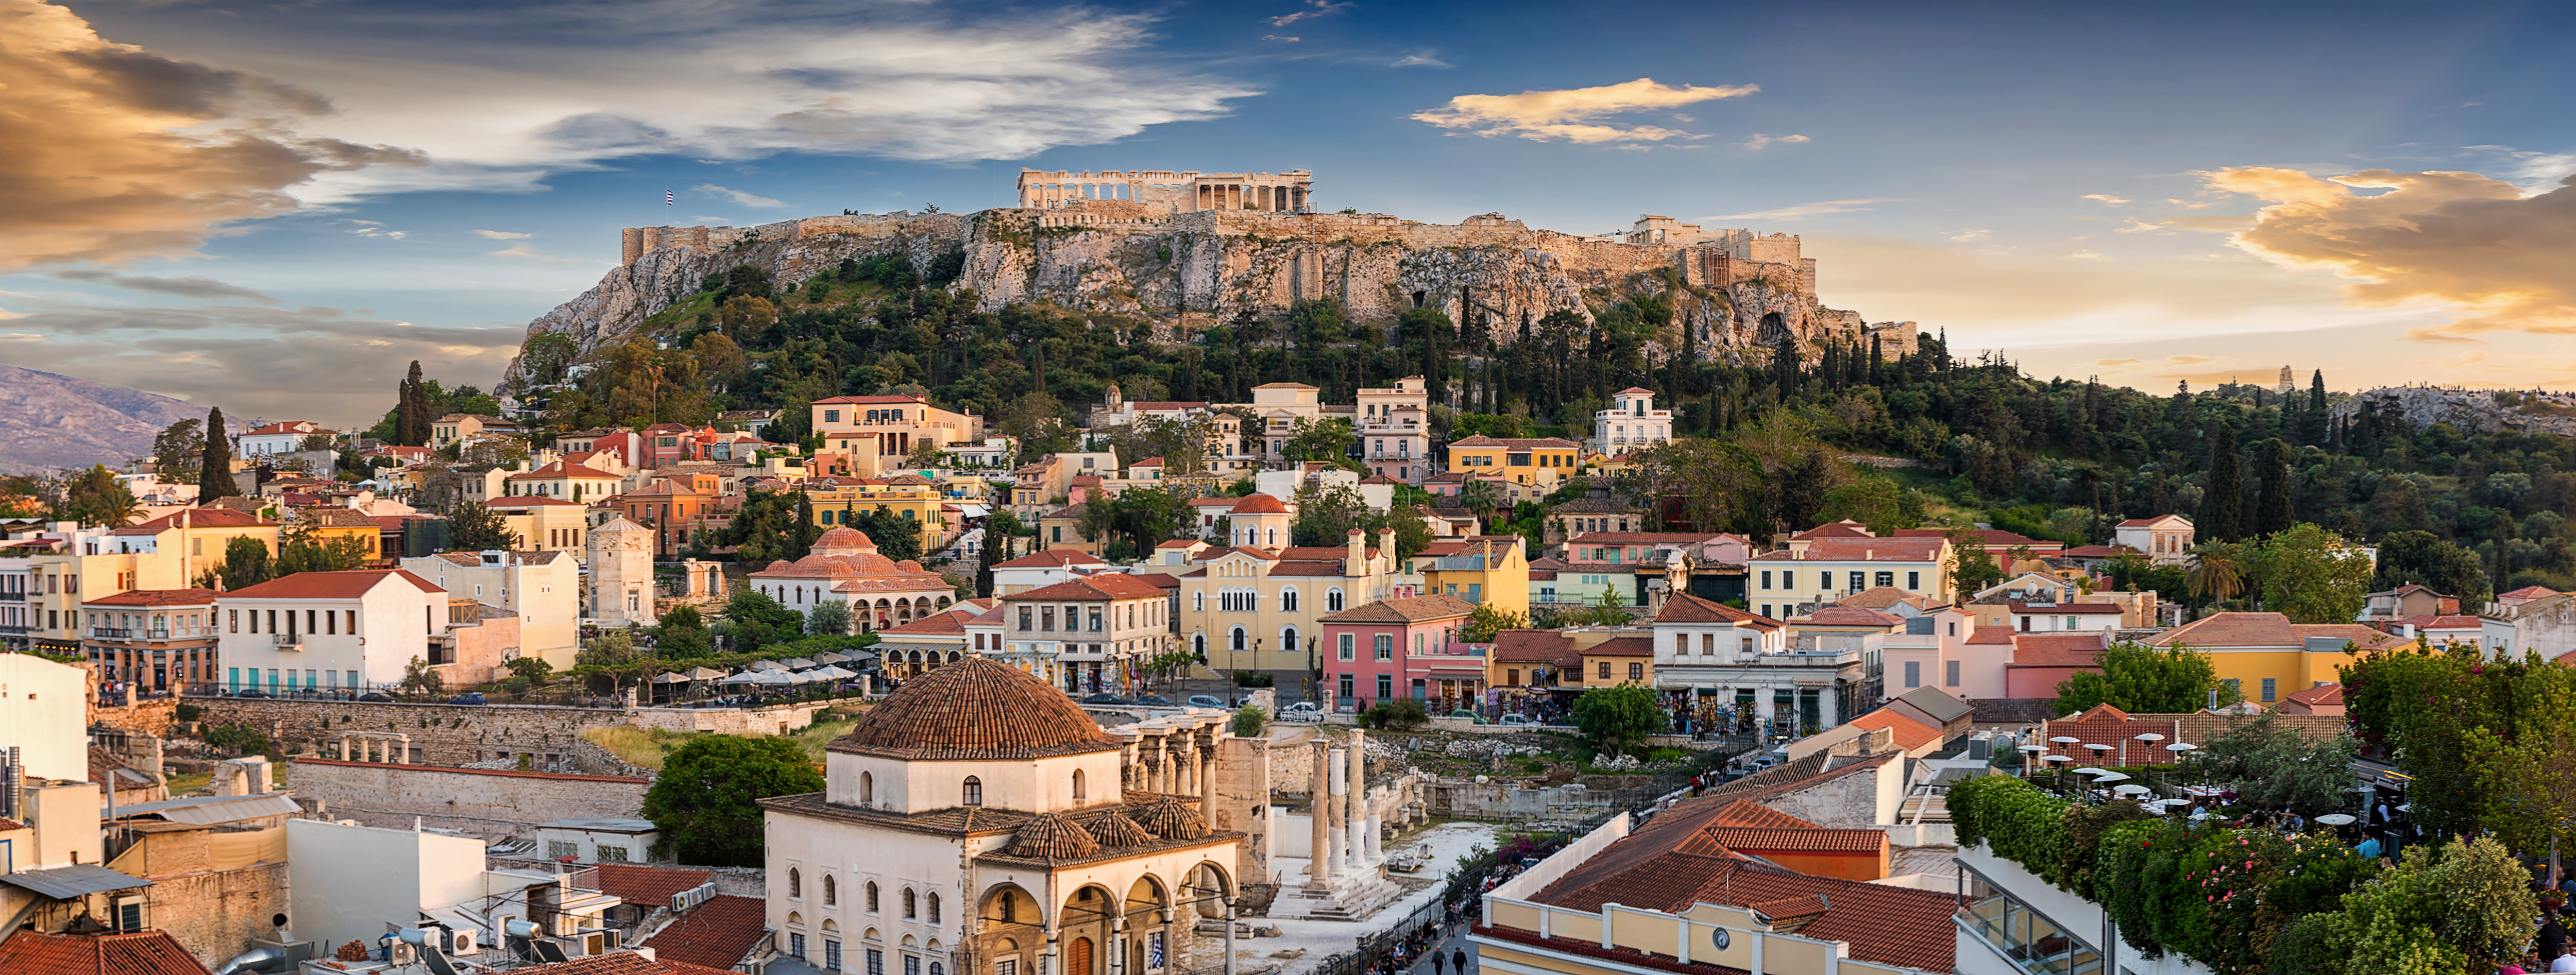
(669, 198)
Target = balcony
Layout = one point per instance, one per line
(286, 641)
(110, 632)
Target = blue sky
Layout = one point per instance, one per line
(2080, 188)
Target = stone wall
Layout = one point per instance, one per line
(480, 802)
(151, 716)
(457, 734)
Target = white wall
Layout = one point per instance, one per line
(348, 882)
(1043, 785)
(43, 711)
(395, 619)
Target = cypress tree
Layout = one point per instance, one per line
(2312, 420)
(2272, 512)
(411, 410)
(215, 468)
(2222, 502)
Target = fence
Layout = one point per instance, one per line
(1468, 881)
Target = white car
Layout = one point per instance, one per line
(1301, 711)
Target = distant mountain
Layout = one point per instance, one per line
(49, 421)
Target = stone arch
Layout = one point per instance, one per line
(1209, 884)
(831, 890)
(1005, 904)
(1146, 897)
(795, 919)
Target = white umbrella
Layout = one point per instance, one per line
(746, 677)
(2056, 758)
(2097, 746)
(831, 673)
(766, 665)
(2032, 748)
(2130, 788)
(829, 657)
(2180, 747)
(2110, 777)
(796, 663)
(2066, 739)
(2336, 819)
(2150, 736)
(772, 678)
(2090, 770)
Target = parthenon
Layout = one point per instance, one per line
(1170, 191)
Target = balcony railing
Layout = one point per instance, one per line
(289, 640)
(110, 632)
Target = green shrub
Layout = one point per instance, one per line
(1400, 714)
(188, 712)
(1248, 722)
(239, 739)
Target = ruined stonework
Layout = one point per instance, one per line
(1739, 293)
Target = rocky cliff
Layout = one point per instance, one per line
(49, 421)
(1188, 270)
(2468, 410)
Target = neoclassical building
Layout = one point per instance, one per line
(844, 566)
(976, 822)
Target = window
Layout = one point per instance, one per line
(1346, 686)
(876, 961)
(832, 954)
(911, 904)
(559, 849)
(868, 786)
(1288, 600)
(1605, 670)
(796, 944)
(872, 896)
(1333, 603)
(974, 791)
(2269, 685)
(1914, 580)
(1346, 641)
(934, 919)
(1858, 582)
(1385, 686)
(795, 883)
(1636, 671)
(1788, 579)
(831, 890)
(2072, 624)
(1385, 645)
(1950, 673)
(1887, 578)
(1914, 673)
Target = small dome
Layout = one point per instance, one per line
(1174, 819)
(975, 710)
(908, 565)
(1052, 836)
(843, 541)
(778, 566)
(1115, 830)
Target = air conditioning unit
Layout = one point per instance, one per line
(682, 901)
(401, 953)
(463, 943)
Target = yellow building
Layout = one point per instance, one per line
(1620, 660)
(1488, 570)
(912, 498)
(1539, 463)
(2268, 657)
(546, 524)
(326, 525)
(894, 423)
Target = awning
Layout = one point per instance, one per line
(65, 883)
(214, 810)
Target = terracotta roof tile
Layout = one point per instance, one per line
(2321, 695)
(329, 585)
(1862, 550)
(716, 934)
(1106, 585)
(649, 886)
(1413, 610)
(1622, 646)
(157, 597)
(1909, 733)
(28, 952)
(1747, 813)
(975, 709)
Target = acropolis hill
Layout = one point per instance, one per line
(1184, 250)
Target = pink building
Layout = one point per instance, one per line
(1390, 648)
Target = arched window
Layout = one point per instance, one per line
(1332, 600)
(934, 919)
(795, 883)
(974, 791)
(911, 904)
(1288, 600)
(1077, 785)
(1239, 639)
(1198, 645)
(1010, 912)
(867, 787)
(831, 890)
(1288, 639)
(872, 897)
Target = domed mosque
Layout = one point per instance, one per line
(843, 565)
(977, 822)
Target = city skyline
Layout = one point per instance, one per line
(2148, 197)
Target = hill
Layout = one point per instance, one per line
(49, 421)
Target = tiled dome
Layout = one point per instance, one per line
(843, 541)
(1053, 837)
(1115, 830)
(972, 710)
(1174, 819)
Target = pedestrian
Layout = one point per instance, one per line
(2369, 844)
(2552, 939)
(1436, 961)
(1458, 960)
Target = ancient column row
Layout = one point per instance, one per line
(386, 749)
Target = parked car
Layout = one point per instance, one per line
(1205, 701)
(1465, 714)
(1301, 711)
(1517, 720)
(1156, 700)
(376, 697)
(1105, 697)
(252, 692)
(475, 697)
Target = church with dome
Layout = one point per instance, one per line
(843, 565)
(977, 822)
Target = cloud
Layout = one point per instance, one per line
(110, 153)
(1315, 8)
(737, 197)
(715, 221)
(2467, 241)
(1818, 208)
(207, 289)
(1571, 114)
(504, 234)
(2118, 365)
(1422, 60)
(2435, 336)
(2086, 255)
(371, 228)
(2106, 198)
(2137, 226)
(1759, 140)
(1974, 234)
(1282, 39)
(529, 251)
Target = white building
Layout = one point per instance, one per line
(543, 587)
(44, 714)
(1043, 568)
(2166, 539)
(17, 614)
(284, 437)
(328, 630)
(355, 883)
(1632, 422)
(2065, 617)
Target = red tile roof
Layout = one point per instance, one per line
(1622, 646)
(1862, 550)
(2068, 609)
(1909, 733)
(1417, 609)
(1106, 585)
(208, 518)
(1258, 504)
(1050, 558)
(1851, 616)
(530, 501)
(619, 963)
(28, 952)
(2443, 622)
(1746, 812)
(561, 469)
(649, 886)
(1686, 608)
(2327, 695)
(2266, 630)
(329, 585)
(716, 934)
(157, 597)
(2528, 592)
(1535, 646)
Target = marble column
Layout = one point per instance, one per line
(1355, 822)
(1319, 870)
(402, 754)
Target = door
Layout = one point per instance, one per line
(1077, 959)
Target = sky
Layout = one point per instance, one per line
(276, 207)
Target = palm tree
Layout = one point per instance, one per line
(1479, 495)
(2217, 570)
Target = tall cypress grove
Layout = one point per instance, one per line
(2222, 503)
(215, 467)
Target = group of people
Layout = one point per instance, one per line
(2548, 951)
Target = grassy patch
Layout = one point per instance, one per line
(181, 785)
(647, 747)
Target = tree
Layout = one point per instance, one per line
(475, 528)
(706, 801)
(412, 416)
(1249, 721)
(532, 669)
(754, 619)
(174, 451)
(245, 563)
(1972, 568)
(215, 464)
(828, 618)
(2310, 575)
(1488, 620)
(97, 497)
(2274, 766)
(301, 550)
(682, 634)
(421, 676)
(2217, 571)
(2272, 512)
(2141, 679)
(2222, 501)
(1619, 717)
(2423, 557)
(896, 537)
